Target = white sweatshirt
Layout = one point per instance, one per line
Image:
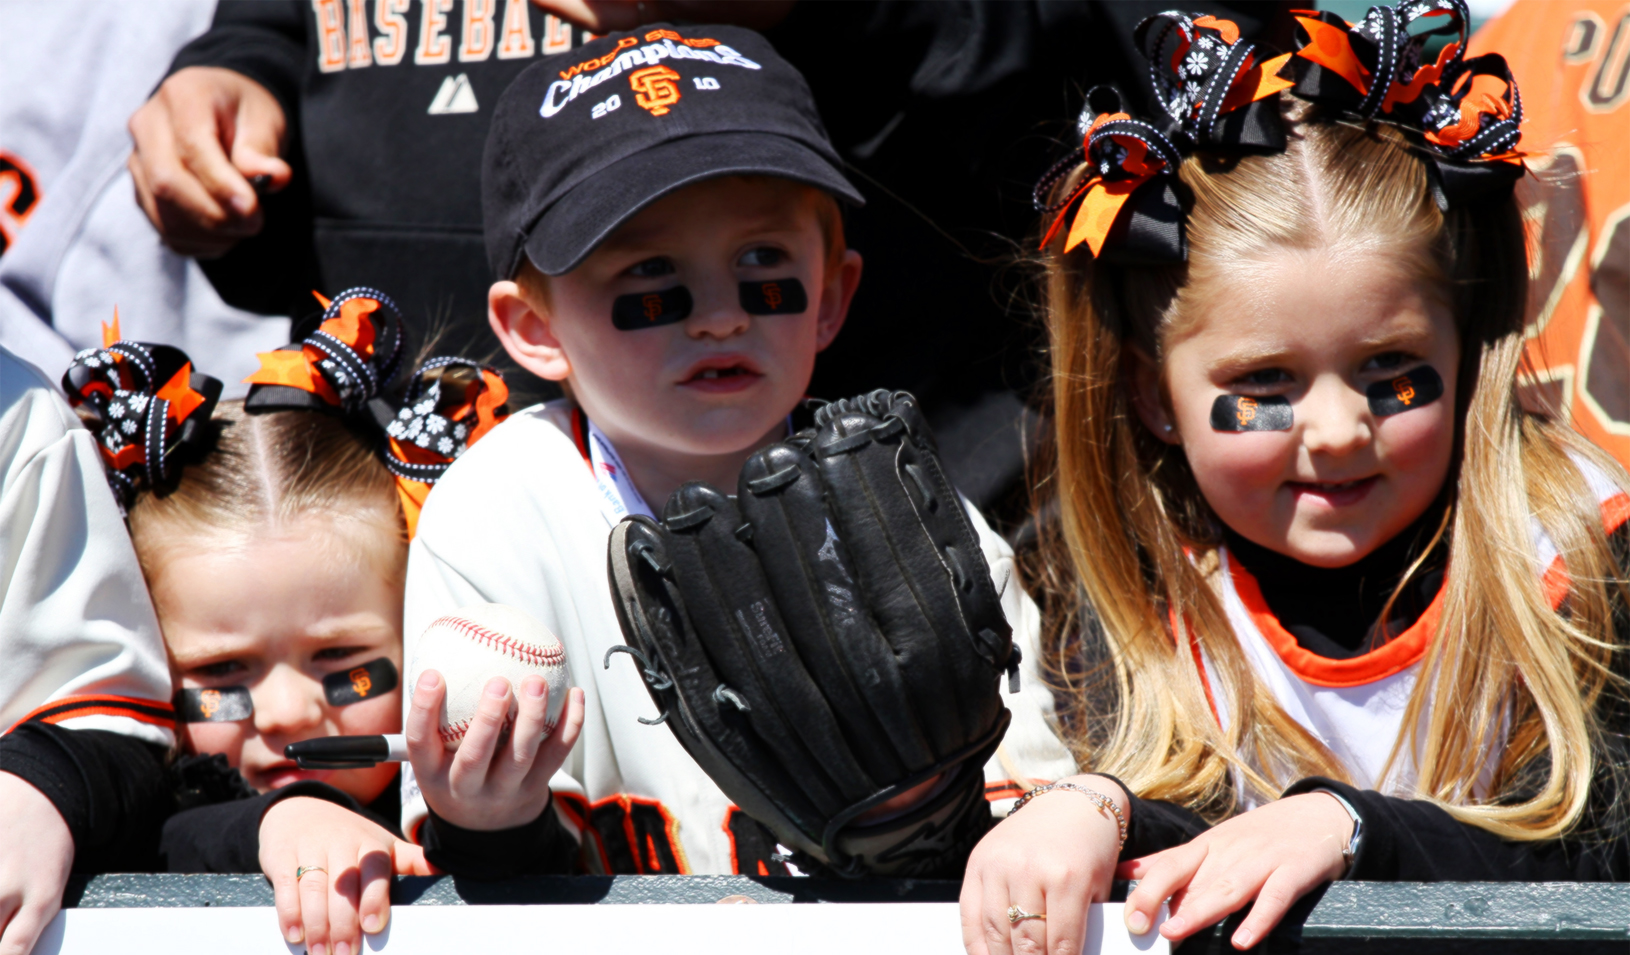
(79, 644)
(518, 520)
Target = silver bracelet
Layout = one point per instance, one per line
(1104, 803)
(1350, 850)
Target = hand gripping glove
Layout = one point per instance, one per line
(828, 639)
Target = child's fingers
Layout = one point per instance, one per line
(1167, 873)
(554, 750)
(1273, 900)
(344, 897)
(374, 909)
(410, 860)
(277, 861)
(468, 774)
(424, 744)
(532, 707)
(312, 888)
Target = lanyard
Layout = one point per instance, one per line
(618, 496)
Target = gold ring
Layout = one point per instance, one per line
(1015, 915)
(301, 871)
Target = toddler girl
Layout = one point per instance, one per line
(1316, 560)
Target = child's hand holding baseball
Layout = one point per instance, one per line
(491, 781)
(331, 871)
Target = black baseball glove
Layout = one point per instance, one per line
(827, 640)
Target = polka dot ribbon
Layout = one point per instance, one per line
(146, 406)
(1216, 93)
(1463, 114)
(348, 365)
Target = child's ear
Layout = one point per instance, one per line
(1142, 375)
(524, 332)
(841, 283)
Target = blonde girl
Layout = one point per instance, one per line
(1314, 559)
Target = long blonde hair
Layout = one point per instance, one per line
(1128, 566)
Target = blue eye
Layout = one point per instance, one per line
(652, 268)
(762, 256)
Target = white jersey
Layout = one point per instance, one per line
(1355, 707)
(79, 644)
(523, 518)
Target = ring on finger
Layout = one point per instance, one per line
(1015, 915)
(301, 872)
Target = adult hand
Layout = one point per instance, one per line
(36, 855)
(492, 781)
(1055, 857)
(1274, 854)
(610, 16)
(198, 141)
(349, 862)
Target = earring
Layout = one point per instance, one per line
(1168, 429)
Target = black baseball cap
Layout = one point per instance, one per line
(583, 140)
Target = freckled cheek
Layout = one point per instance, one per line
(227, 738)
(1239, 470)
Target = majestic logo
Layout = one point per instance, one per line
(361, 681)
(209, 702)
(772, 294)
(653, 302)
(1403, 388)
(654, 88)
(1245, 411)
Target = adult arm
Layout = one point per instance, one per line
(219, 119)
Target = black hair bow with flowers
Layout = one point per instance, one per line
(1217, 94)
(1463, 115)
(146, 406)
(348, 365)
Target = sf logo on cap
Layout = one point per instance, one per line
(654, 88)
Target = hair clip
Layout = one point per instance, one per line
(1464, 115)
(449, 405)
(1216, 95)
(348, 360)
(146, 406)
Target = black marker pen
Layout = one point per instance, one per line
(348, 752)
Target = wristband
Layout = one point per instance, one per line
(1104, 803)
(1349, 851)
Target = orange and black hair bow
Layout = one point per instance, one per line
(348, 365)
(1217, 95)
(146, 406)
(1463, 115)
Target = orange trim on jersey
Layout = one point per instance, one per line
(1199, 666)
(1011, 788)
(1397, 655)
(580, 811)
(1555, 583)
(155, 712)
(580, 435)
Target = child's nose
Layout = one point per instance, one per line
(1334, 419)
(717, 313)
(287, 702)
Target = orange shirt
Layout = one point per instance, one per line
(1571, 59)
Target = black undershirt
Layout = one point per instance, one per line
(1335, 612)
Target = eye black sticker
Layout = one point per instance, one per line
(778, 297)
(630, 313)
(374, 678)
(1413, 388)
(223, 704)
(1245, 413)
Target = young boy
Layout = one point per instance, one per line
(662, 216)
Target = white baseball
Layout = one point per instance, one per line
(474, 644)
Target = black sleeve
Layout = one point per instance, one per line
(1413, 841)
(1153, 825)
(541, 847)
(110, 789)
(225, 837)
(264, 40)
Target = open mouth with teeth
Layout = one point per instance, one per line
(716, 377)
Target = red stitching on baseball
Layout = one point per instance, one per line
(527, 653)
